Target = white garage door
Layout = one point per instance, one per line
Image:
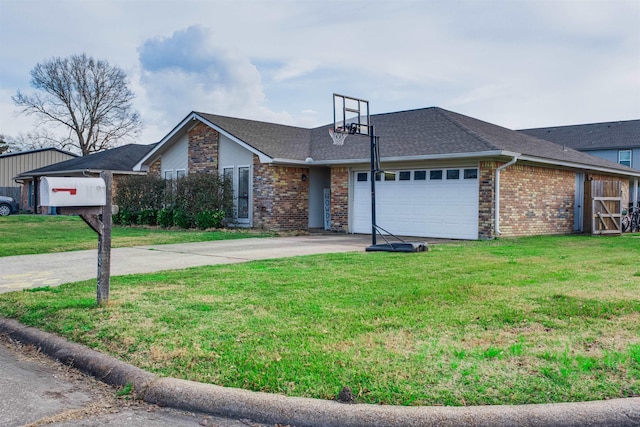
(426, 202)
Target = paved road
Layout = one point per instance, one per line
(36, 391)
(30, 271)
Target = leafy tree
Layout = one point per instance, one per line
(89, 99)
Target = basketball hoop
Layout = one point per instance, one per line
(338, 135)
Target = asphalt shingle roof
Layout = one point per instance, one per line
(432, 131)
(414, 133)
(594, 136)
(116, 159)
(274, 140)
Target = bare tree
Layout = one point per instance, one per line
(89, 99)
(39, 138)
(4, 145)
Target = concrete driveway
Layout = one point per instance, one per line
(30, 271)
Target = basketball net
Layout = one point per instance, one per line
(338, 136)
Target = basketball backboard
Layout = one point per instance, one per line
(351, 115)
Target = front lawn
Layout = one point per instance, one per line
(532, 320)
(34, 234)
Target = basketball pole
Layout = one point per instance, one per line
(373, 185)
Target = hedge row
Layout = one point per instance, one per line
(199, 200)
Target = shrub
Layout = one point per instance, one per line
(182, 219)
(138, 197)
(147, 217)
(125, 217)
(199, 199)
(165, 217)
(210, 219)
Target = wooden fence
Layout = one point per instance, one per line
(603, 203)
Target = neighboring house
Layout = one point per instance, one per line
(617, 142)
(447, 175)
(119, 160)
(13, 164)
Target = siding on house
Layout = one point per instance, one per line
(176, 158)
(13, 164)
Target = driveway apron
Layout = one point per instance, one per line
(31, 271)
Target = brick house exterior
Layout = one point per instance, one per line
(295, 179)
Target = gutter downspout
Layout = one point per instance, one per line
(497, 194)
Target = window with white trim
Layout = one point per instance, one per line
(624, 157)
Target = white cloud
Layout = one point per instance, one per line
(295, 68)
(526, 63)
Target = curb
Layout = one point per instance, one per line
(306, 412)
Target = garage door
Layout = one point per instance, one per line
(426, 202)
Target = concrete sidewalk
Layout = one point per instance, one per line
(31, 271)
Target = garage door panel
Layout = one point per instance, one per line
(428, 208)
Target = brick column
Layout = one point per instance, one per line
(486, 217)
(203, 149)
(155, 169)
(340, 199)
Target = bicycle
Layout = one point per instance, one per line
(631, 220)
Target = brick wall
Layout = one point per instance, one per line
(536, 201)
(203, 149)
(340, 199)
(280, 197)
(486, 216)
(155, 168)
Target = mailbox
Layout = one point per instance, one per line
(73, 191)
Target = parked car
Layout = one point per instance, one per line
(8, 206)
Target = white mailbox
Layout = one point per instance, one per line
(73, 191)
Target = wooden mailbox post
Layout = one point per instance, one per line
(91, 199)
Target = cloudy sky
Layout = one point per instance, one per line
(515, 63)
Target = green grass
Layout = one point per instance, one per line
(531, 320)
(34, 234)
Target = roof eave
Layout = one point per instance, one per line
(582, 166)
(446, 156)
(83, 171)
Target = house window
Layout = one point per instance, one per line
(227, 173)
(362, 177)
(435, 175)
(419, 175)
(389, 176)
(471, 173)
(180, 173)
(405, 176)
(243, 192)
(168, 175)
(453, 174)
(624, 157)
